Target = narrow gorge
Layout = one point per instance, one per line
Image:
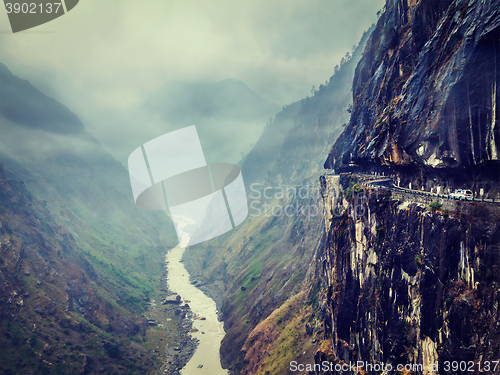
(382, 277)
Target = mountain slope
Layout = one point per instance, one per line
(69, 219)
(292, 144)
(57, 315)
(23, 104)
(253, 270)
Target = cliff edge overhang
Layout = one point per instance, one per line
(426, 89)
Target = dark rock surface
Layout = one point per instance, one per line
(425, 91)
(406, 285)
(403, 283)
(172, 300)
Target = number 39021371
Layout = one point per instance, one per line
(32, 8)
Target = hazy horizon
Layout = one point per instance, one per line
(104, 60)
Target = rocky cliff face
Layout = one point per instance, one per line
(408, 284)
(425, 92)
(407, 281)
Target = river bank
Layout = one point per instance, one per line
(168, 328)
(183, 327)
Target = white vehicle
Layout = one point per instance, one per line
(462, 194)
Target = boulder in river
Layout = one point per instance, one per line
(176, 300)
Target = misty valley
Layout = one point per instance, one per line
(194, 226)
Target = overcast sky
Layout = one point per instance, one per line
(106, 56)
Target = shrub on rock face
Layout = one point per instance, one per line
(435, 205)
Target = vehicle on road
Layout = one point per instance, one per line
(462, 195)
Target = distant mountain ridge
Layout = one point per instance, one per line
(254, 270)
(228, 115)
(22, 103)
(78, 260)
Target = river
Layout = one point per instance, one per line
(210, 331)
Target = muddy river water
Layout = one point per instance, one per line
(206, 359)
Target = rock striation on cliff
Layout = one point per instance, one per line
(404, 280)
(425, 90)
(407, 283)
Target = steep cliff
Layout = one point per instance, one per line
(425, 93)
(406, 282)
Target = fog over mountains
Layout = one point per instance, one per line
(228, 115)
(22, 103)
(362, 268)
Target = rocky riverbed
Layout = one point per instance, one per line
(169, 327)
(206, 327)
(184, 329)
